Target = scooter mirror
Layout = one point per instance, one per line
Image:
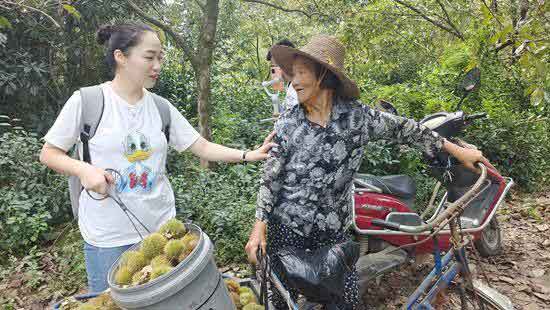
(471, 80)
(386, 106)
(469, 83)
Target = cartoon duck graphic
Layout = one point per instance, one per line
(137, 177)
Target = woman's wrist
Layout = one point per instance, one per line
(243, 156)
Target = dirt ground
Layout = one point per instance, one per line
(521, 272)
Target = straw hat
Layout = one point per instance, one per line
(323, 49)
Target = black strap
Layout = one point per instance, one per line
(85, 137)
(264, 274)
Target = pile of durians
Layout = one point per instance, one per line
(243, 297)
(158, 254)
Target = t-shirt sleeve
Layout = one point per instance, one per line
(66, 128)
(182, 134)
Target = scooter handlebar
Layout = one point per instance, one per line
(475, 116)
(442, 218)
(385, 224)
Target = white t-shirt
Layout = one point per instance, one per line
(128, 139)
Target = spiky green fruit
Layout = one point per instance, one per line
(123, 276)
(253, 306)
(140, 277)
(236, 300)
(174, 248)
(173, 229)
(159, 271)
(160, 260)
(245, 289)
(232, 285)
(103, 302)
(190, 240)
(188, 237)
(247, 298)
(134, 261)
(153, 245)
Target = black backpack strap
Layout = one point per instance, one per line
(163, 106)
(92, 111)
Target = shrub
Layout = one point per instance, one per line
(32, 197)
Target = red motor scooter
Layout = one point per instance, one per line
(391, 199)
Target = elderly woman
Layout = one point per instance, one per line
(305, 191)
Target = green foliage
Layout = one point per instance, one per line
(518, 144)
(222, 203)
(49, 272)
(31, 196)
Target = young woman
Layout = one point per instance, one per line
(129, 138)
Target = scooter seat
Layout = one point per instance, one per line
(399, 185)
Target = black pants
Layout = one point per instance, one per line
(280, 236)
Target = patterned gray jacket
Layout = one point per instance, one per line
(306, 182)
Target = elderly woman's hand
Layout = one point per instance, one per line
(262, 152)
(257, 238)
(467, 156)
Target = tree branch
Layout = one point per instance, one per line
(178, 39)
(32, 9)
(309, 15)
(430, 20)
(201, 6)
(448, 18)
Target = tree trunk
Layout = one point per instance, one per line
(204, 57)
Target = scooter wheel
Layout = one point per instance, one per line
(490, 242)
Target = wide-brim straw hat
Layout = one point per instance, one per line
(323, 49)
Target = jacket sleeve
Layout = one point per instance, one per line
(379, 125)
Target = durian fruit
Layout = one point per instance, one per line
(188, 237)
(232, 285)
(159, 271)
(173, 249)
(247, 298)
(140, 277)
(236, 300)
(173, 229)
(123, 276)
(153, 245)
(245, 289)
(104, 302)
(160, 260)
(190, 240)
(134, 261)
(182, 256)
(253, 306)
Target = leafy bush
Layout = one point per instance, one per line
(32, 197)
(518, 144)
(222, 203)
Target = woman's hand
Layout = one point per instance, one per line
(95, 179)
(257, 238)
(262, 152)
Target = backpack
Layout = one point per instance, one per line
(92, 111)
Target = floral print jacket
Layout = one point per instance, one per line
(306, 182)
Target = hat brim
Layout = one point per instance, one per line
(284, 57)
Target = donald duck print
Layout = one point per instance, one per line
(137, 177)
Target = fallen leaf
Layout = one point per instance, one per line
(536, 273)
(543, 227)
(542, 296)
(531, 306)
(507, 280)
